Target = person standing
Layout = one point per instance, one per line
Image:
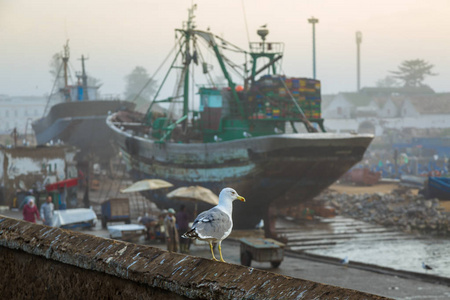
(150, 225)
(30, 211)
(182, 218)
(47, 211)
(172, 239)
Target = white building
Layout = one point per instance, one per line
(374, 110)
(19, 112)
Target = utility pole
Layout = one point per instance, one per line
(358, 64)
(313, 21)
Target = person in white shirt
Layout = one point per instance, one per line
(47, 211)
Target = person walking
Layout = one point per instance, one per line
(172, 239)
(182, 218)
(30, 211)
(47, 211)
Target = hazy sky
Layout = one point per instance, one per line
(118, 35)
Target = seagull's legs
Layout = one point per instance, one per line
(220, 251)
(212, 251)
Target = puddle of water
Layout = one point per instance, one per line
(397, 254)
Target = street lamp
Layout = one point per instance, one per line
(313, 21)
(358, 66)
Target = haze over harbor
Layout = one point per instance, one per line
(119, 35)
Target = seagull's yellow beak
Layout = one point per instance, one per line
(241, 198)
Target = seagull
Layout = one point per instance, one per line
(260, 225)
(217, 139)
(426, 267)
(246, 134)
(345, 261)
(215, 225)
(277, 130)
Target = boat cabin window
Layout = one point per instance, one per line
(211, 103)
(210, 100)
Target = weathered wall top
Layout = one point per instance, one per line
(184, 275)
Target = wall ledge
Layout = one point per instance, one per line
(180, 274)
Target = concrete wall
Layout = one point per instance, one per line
(42, 262)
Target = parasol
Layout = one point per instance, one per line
(147, 184)
(194, 193)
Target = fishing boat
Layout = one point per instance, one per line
(264, 137)
(78, 119)
(437, 187)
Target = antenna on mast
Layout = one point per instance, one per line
(65, 59)
(84, 78)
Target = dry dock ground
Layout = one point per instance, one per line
(307, 268)
(371, 282)
(357, 189)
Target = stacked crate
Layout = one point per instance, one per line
(307, 94)
(270, 98)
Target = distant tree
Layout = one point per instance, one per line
(138, 83)
(56, 70)
(92, 81)
(387, 81)
(413, 72)
(139, 87)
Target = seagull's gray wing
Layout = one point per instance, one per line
(212, 223)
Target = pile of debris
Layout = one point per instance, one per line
(401, 208)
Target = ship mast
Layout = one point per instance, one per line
(187, 61)
(65, 59)
(209, 38)
(84, 79)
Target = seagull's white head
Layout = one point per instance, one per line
(229, 194)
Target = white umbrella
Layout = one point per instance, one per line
(147, 184)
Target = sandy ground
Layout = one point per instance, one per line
(355, 189)
(445, 205)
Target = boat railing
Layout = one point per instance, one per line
(258, 47)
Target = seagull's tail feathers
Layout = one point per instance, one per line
(191, 234)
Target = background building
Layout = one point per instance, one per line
(19, 112)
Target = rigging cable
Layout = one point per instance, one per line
(245, 19)
(51, 92)
(154, 74)
(203, 60)
(231, 64)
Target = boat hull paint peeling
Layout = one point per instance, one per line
(270, 171)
